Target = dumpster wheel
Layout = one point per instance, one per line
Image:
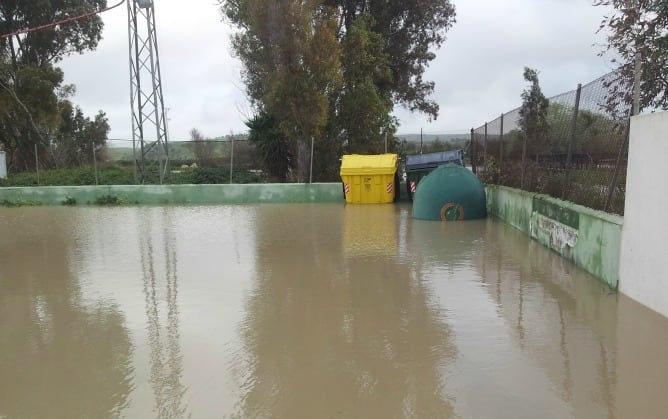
(449, 206)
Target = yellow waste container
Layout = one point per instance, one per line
(369, 179)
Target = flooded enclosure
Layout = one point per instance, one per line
(309, 311)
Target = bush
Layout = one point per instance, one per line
(20, 203)
(124, 175)
(206, 175)
(69, 201)
(108, 200)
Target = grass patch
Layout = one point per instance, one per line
(20, 203)
(124, 175)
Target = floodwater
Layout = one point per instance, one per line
(309, 311)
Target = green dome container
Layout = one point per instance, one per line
(450, 193)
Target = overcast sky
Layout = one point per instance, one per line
(478, 71)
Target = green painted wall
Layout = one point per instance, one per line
(511, 205)
(179, 194)
(590, 239)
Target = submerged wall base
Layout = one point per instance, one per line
(178, 194)
(589, 238)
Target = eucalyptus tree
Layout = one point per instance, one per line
(364, 107)
(411, 31)
(31, 86)
(291, 62)
(331, 71)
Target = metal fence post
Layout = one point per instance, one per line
(231, 156)
(484, 149)
(95, 165)
(310, 176)
(473, 166)
(37, 164)
(574, 124)
(501, 143)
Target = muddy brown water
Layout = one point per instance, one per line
(309, 311)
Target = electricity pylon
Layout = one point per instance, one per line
(149, 130)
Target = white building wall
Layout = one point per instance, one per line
(643, 267)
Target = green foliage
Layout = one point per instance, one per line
(75, 176)
(32, 96)
(533, 119)
(363, 109)
(410, 30)
(215, 175)
(20, 203)
(272, 145)
(491, 171)
(78, 137)
(330, 75)
(638, 26)
(208, 175)
(69, 201)
(594, 132)
(291, 67)
(108, 200)
(114, 175)
(533, 112)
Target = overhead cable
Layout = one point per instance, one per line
(61, 22)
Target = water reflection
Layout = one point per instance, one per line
(569, 324)
(59, 358)
(160, 288)
(309, 311)
(336, 327)
(548, 301)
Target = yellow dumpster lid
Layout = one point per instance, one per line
(375, 164)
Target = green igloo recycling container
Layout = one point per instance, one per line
(450, 192)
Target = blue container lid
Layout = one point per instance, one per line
(432, 160)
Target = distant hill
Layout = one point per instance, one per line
(120, 153)
(184, 150)
(455, 138)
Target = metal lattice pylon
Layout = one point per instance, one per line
(149, 131)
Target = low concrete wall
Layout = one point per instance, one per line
(644, 252)
(590, 239)
(179, 194)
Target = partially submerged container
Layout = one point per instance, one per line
(450, 193)
(369, 179)
(420, 165)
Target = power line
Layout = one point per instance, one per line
(60, 22)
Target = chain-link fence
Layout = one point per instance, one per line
(231, 159)
(580, 156)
